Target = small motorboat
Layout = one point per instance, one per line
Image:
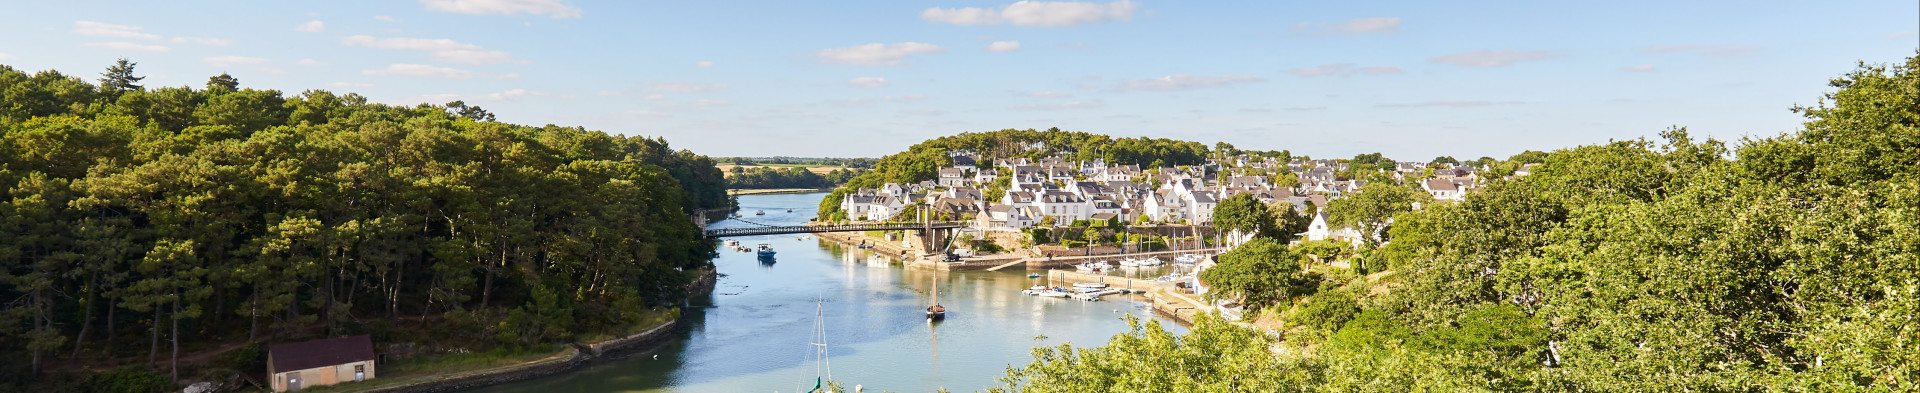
(1153, 261)
(1033, 275)
(1186, 259)
(1090, 285)
(760, 213)
(766, 251)
(937, 312)
(789, 210)
(1036, 290)
(1053, 293)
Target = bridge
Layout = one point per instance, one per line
(789, 229)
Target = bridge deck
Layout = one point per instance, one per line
(782, 230)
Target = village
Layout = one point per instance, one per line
(1010, 195)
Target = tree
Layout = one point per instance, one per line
(223, 82)
(1243, 213)
(1259, 272)
(119, 78)
(1373, 207)
(1446, 160)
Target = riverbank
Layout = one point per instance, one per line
(776, 191)
(574, 357)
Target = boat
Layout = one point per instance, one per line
(1151, 261)
(766, 251)
(823, 368)
(1186, 259)
(1036, 290)
(760, 213)
(1090, 285)
(789, 210)
(1033, 275)
(936, 312)
(1093, 266)
(1053, 293)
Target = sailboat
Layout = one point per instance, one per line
(936, 312)
(822, 368)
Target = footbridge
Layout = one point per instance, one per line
(764, 229)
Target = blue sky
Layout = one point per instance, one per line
(1413, 79)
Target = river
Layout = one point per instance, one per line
(753, 333)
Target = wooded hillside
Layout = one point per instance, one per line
(139, 220)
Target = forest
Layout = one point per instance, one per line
(1784, 263)
(788, 177)
(140, 224)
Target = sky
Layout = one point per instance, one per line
(1411, 79)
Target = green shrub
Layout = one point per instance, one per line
(130, 380)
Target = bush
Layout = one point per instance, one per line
(130, 380)
(247, 358)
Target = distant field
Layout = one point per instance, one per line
(728, 168)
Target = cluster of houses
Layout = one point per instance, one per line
(1054, 189)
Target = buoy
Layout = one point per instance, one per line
(656, 357)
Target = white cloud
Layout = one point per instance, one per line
(384, 18)
(1902, 35)
(127, 46)
(1004, 46)
(1351, 26)
(203, 41)
(711, 103)
(868, 82)
(1049, 94)
(906, 98)
(1059, 106)
(1637, 68)
(311, 62)
(97, 29)
(441, 48)
(654, 97)
(349, 85)
(271, 70)
(508, 95)
(1491, 58)
(1344, 69)
(686, 87)
(553, 8)
(704, 64)
(1450, 103)
(4, 56)
(228, 61)
(431, 71)
(1328, 69)
(312, 26)
(877, 54)
(1720, 51)
(1184, 82)
(1035, 13)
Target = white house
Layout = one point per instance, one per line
(1064, 207)
(327, 361)
(1443, 190)
(952, 177)
(885, 207)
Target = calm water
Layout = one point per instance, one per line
(752, 334)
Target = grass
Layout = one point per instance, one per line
(402, 372)
(653, 319)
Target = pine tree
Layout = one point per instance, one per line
(223, 82)
(119, 78)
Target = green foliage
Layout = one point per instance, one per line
(252, 213)
(1213, 357)
(129, 380)
(1788, 264)
(1372, 207)
(1259, 273)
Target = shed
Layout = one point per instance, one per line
(320, 362)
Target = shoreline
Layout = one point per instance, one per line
(577, 356)
(775, 191)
